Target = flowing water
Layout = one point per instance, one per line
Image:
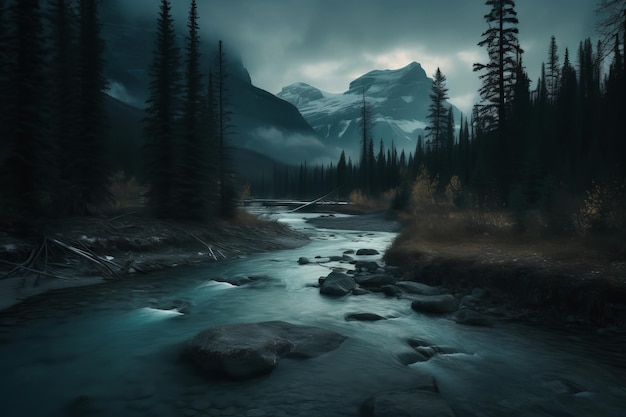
(114, 349)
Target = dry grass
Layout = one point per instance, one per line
(453, 236)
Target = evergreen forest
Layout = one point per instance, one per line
(550, 149)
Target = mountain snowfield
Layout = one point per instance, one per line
(399, 101)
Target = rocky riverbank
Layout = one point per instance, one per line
(545, 282)
(86, 251)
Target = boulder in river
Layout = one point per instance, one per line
(367, 252)
(244, 350)
(390, 290)
(418, 288)
(437, 304)
(374, 280)
(407, 404)
(370, 266)
(363, 317)
(303, 261)
(338, 284)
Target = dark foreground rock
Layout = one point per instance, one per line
(244, 350)
(437, 304)
(406, 404)
(337, 284)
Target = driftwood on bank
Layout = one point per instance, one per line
(38, 261)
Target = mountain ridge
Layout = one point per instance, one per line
(399, 100)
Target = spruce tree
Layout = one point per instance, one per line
(192, 173)
(27, 153)
(366, 122)
(568, 121)
(498, 82)
(86, 170)
(63, 97)
(437, 121)
(553, 76)
(4, 79)
(160, 124)
(342, 175)
(498, 75)
(227, 191)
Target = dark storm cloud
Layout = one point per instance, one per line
(329, 42)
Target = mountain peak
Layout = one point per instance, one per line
(300, 93)
(377, 81)
(398, 99)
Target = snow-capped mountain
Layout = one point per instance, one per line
(398, 99)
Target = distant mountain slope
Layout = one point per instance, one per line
(125, 141)
(399, 100)
(261, 121)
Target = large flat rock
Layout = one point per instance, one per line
(244, 350)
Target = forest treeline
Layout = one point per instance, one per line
(554, 148)
(53, 153)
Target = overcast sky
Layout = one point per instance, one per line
(328, 43)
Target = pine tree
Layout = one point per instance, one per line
(372, 179)
(160, 124)
(497, 90)
(342, 175)
(498, 75)
(553, 76)
(381, 168)
(5, 72)
(226, 187)
(27, 152)
(63, 98)
(192, 199)
(87, 172)
(367, 126)
(437, 113)
(568, 120)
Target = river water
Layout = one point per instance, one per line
(114, 349)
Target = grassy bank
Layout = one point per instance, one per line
(578, 280)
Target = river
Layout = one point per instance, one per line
(114, 349)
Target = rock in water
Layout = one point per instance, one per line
(338, 284)
(244, 350)
(418, 288)
(367, 252)
(303, 261)
(406, 404)
(438, 304)
(363, 317)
